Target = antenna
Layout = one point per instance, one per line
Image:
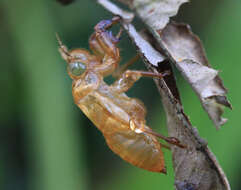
(62, 47)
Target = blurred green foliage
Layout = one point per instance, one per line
(47, 143)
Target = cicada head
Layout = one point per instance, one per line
(78, 60)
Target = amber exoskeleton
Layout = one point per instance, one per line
(121, 119)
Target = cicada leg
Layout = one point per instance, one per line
(106, 24)
(129, 77)
(140, 127)
(170, 140)
(165, 146)
(103, 43)
(118, 36)
(121, 69)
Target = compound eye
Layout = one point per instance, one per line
(76, 68)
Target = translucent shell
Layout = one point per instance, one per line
(111, 113)
(120, 119)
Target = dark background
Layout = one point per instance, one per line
(47, 143)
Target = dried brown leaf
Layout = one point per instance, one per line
(187, 51)
(127, 16)
(195, 167)
(150, 10)
(184, 50)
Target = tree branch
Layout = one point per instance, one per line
(196, 168)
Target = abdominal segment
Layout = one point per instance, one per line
(140, 150)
